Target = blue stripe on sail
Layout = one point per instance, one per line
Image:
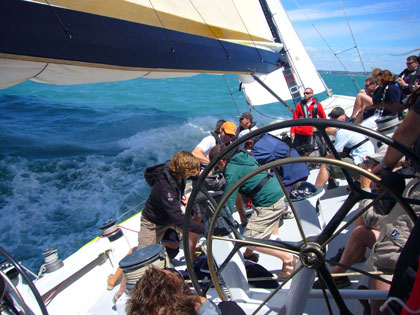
(32, 29)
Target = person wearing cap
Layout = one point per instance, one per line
(246, 122)
(302, 136)
(227, 134)
(355, 145)
(201, 152)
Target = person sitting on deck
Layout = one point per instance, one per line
(163, 291)
(366, 230)
(363, 100)
(398, 225)
(351, 144)
(267, 197)
(409, 76)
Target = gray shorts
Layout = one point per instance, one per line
(263, 220)
(335, 171)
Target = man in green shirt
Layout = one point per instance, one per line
(267, 197)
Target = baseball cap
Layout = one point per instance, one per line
(246, 115)
(229, 128)
(336, 112)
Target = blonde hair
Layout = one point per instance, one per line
(184, 165)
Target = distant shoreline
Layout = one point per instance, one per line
(342, 72)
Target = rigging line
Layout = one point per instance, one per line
(272, 92)
(326, 43)
(261, 113)
(406, 53)
(171, 46)
(211, 30)
(342, 51)
(246, 28)
(352, 36)
(131, 209)
(231, 95)
(66, 30)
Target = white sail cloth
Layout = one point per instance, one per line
(303, 67)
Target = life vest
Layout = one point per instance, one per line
(304, 106)
(217, 138)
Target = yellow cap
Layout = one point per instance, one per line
(229, 128)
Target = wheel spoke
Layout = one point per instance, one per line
(359, 214)
(296, 215)
(311, 249)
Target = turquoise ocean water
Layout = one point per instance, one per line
(72, 157)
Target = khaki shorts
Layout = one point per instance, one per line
(263, 220)
(395, 231)
(151, 233)
(335, 171)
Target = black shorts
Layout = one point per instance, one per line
(303, 143)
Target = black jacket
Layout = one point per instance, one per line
(410, 77)
(163, 207)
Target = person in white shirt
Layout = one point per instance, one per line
(356, 145)
(226, 135)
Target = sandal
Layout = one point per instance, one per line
(115, 298)
(288, 268)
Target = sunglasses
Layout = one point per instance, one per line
(307, 93)
(175, 272)
(409, 63)
(367, 85)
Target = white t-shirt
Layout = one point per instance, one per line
(207, 144)
(347, 138)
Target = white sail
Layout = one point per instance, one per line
(298, 57)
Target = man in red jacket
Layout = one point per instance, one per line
(302, 136)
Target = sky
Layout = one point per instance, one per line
(386, 32)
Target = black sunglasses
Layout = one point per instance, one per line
(306, 93)
(409, 63)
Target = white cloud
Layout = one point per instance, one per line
(331, 10)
